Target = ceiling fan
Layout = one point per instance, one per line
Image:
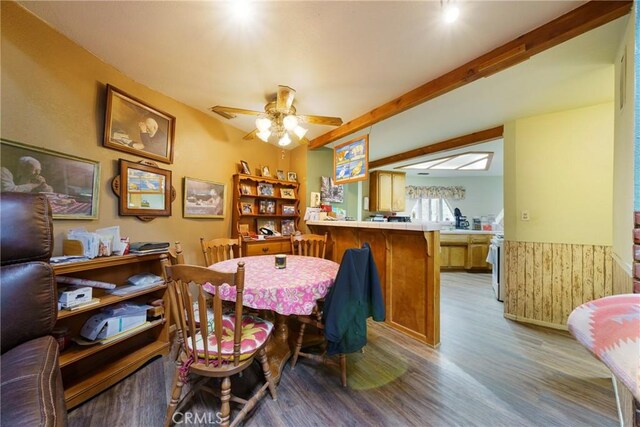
(279, 121)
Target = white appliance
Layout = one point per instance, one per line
(494, 257)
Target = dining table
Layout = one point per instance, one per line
(279, 292)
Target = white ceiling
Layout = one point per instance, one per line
(344, 58)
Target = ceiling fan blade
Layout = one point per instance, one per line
(251, 135)
(285, 97)
(230, 112)
(322, 120)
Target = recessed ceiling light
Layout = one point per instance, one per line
(450, 11)
(241, 10)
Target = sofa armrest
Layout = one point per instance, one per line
(28, 304)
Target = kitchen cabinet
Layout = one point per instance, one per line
(464, 251)
(386, 191)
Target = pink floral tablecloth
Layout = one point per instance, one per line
(291, 290)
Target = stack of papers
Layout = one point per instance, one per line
(148, 247)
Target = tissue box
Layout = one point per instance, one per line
(72, 296)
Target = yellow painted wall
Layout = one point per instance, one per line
(623, 152)
(53, 96)
(559, 168)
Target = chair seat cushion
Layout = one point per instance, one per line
(255, 332)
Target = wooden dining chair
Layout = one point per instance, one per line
(175, 254)
(309, 245)
(218, 347)
(222, 249)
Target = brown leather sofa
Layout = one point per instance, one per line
(31, 391)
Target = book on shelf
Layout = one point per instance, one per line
(148, 246)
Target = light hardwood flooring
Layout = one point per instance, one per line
(489, 371)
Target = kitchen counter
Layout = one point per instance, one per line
(407, 257)
(412, 226)
(470, 232)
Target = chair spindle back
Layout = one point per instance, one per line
(180, 277)
(313, 245)
(217, 250)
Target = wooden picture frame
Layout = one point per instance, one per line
(70, 183)
(351, 161)
(287, 227)
(246, 190)
(203, 199)
(292, 176)
(145, 190)
(288, 209)
(287, 193)
(280, 175)
(265, 189)
(246, 208)
(265, 171)
(135, 127)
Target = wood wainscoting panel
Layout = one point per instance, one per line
(546, 281)
(622, 279)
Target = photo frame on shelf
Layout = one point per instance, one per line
(262, 207)
(269, 224)
(246, 190)
(288, 227)
(265, 189)
(351, 160)
(314, 200)
(246, 208)
(287, 193)
(280, 175)
(70, 183)
(244, 168)
(292, 176)
(265, 171)
(288, 209)
(144, 190)
(203, 199)
(135, 127)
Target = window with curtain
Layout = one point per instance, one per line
(434, 209)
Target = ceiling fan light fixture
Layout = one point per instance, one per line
(290, 122)
(285, 140)
(263, 123)
(300, 131)
(264, 135)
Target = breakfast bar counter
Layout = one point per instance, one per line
(406, 255)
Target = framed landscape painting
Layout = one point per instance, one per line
(203, 199)
(70, 183)
(138, 128)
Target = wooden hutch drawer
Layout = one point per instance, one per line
(267, 248)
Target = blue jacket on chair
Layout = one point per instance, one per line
(354, 296)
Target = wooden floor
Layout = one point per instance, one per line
(489, 371)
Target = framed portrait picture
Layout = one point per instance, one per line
(265, 189)
(288, 209)
(246, 190)
(70, 183)
(138, 128)
(288, 227)
(203, 199)
(280, 175)
(287, 193)
(265, 171)
(244, 168)
(351, 160)
(292, 176)
(314, 199)
(247, 208)
(145, 190)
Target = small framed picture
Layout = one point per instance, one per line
(244, 168)
(288, 209)
(292, 176)
(265, 171)
(287, 193)
(265, 189)
(314, 200)
(246, 190)
(266, 224)
(262, 206)
(280, 174)
(247, 208)
(288, 227)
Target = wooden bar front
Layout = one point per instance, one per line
(409, 269)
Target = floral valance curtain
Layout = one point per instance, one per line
(451, 193)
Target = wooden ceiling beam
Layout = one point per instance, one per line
(449, 144)
(574, 23)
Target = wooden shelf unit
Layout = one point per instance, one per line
(88, 370)
(243, 184)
